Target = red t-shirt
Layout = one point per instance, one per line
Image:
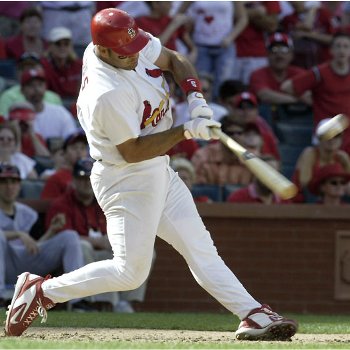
(57, 184)
(185, 148)
(330, 91)
(15, 48)
(251, 42)
(79, 218)
(156, 27)
(27, 144)
(65, 81)
(263, 78)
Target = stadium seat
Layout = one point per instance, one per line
(31, 189)
(228, 189)
(8, 69)
(289, 153)
(287, 170)
(294, 134)
(296, 113)
(214, 192)
(266, 112)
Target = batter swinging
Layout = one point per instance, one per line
(125, 110)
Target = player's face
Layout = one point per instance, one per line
(123, 62)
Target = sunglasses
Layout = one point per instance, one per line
(7, 139)
(337, 182)
(64, 42)
(279, 49)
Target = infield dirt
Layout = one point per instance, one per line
(157, 336)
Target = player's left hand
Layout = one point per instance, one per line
(198, 106)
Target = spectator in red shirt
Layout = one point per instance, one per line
(75, 147)
(250, 44)
(330, 183)
(62, 67)
(244, 110)
(22, 114)
(29, 39)
(311, 28)
(329, 84)
(168, 29)
(265, 82)
(257, 192)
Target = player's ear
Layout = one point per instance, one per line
(102, 51)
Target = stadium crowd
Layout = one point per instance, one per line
(272, 72)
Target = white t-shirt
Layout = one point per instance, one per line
(115, 105)
(213, 21)
(24, 164)
(54, 121)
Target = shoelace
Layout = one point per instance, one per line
(41, 311)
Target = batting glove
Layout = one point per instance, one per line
(198, 106)
(200, 128)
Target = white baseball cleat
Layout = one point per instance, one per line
(264, 324)
(27, 304)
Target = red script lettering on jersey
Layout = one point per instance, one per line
(149, 117)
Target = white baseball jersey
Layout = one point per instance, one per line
(115, 105)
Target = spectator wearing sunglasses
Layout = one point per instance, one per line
(265, 82)
(329, 183)
(62, 67)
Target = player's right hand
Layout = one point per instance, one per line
(200, 128)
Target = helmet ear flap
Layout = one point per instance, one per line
(117, 30)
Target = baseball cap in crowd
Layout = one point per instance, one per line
(74, 138)
(59, 33)
(22, 111)
(82, 167)
(9, 171)
(28, 56)
(279, 39)
(31, 74)
(245, 97)
(326, 172)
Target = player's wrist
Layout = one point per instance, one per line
(190, 84)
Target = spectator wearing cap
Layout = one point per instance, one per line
(61, 65)
(250, 44)
(74, 15)
(83, 216)
(55, 147)
(29, 39)
(257, 192)
(312, 158)
(329, 84)
(14, 94)
(244, 109)
(311, 26)
(329, 183)
(265, 82)
(50, 120)
(215, 164)
(9, 152)
(19, 223)
(74, 147)
(22, 115)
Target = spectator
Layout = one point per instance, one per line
(62, 67)
(74, 147)
(244, 109)
(215, 164)
(168, 29)
(22, 115)
(250, 44)
(55, 146)
(9, 144)
(265, 82)
(14, 94)
(74, 15)
(18, 224)
(10, 12)
(29, 39)
(83, 216)
(310, 25)
(313, 157)
(50, 120)
(257, 192)
(329, 183)
(329, 84)
(187, 173)
(217, 24)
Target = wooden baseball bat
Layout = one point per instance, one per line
(269, 176)
(332, 127)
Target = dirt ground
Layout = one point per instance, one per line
(158, 336)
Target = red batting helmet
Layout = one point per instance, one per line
(117, 30)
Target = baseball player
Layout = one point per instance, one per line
(125, 110)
